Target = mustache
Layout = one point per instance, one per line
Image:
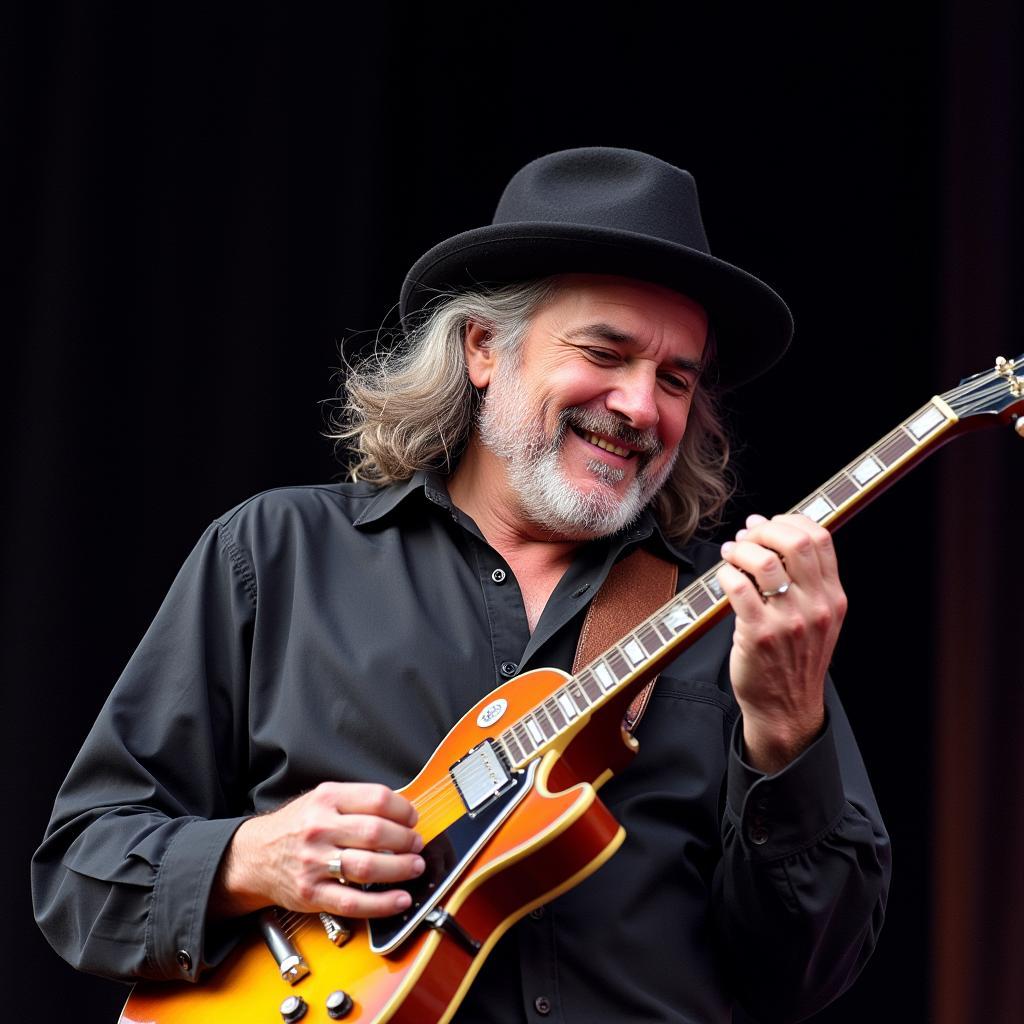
(644, 441)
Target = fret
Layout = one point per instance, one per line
(579, 698)
(711, 582)
(633, 651)
(518, 754)
(841, 489)
(649, 638)
(569, 709)
(524, 739)
(664, 633)
(618, 664)
(893, 447)
(699, 598)
(540, 716)
(604, 676)
(555, 712)
(502, 749)
(590, 686)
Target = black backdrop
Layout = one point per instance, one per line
(200, 207)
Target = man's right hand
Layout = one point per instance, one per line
(281, 858)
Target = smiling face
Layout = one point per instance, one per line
(584, 421)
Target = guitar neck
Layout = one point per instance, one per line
(643, 652)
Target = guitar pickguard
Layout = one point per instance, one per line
(446, 857)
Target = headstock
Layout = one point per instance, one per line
(997, 393)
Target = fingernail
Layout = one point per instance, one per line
(418, 865)
(740, 534)
(727, 547)
(755, 520)
(417, 843)
(403, 900)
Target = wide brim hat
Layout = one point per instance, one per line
(611, 211)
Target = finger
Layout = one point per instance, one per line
(761, 563)
(368, 798)
(366, 832)
(365, 867)
(744, 595)
(350, 901)
(821, 541)
(798, 542)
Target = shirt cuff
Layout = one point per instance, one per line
(176, 931)
(782, 814)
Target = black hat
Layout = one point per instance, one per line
(612, 211)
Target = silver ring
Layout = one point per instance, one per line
(777, 592)
(334, 867)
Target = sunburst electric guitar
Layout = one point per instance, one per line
(508, 804)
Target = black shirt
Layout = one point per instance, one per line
(337, 633)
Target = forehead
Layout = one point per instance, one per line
(641, 313)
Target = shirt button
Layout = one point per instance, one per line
(508, 669)
(759, 835)
(184, 960)
(542, 1005)
(537, 913)
(498, 575)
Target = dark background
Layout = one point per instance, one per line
(200, 206)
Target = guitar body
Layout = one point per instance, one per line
(557, 833)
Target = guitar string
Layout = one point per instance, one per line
(970, 396)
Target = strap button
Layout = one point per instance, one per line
(498, 575)
(508, 669)
(542, 1005)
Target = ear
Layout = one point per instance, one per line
(480, 357)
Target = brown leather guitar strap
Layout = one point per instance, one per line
(635, 588)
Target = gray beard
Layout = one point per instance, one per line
(513, 431)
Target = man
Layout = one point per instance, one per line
(550, 411)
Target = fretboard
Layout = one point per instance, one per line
(663, 636)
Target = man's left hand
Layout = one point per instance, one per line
(783, 583)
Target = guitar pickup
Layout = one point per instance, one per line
(480, 776)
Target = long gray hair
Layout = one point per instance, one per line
(412, 406)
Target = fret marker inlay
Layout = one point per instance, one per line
(818, 509)
(604, 676)
(867, 470)
(677, 618)
(924, 424)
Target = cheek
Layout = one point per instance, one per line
(672, 420)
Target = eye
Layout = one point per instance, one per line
(676, 383)
(602, 355)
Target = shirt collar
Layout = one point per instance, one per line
(388, 499)
(433, 486)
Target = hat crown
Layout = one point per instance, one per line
(606, 188)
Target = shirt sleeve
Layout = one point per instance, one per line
(121, 881)
(802, 885)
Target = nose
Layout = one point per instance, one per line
(634, 399)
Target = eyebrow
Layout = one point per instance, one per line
(617, 336)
